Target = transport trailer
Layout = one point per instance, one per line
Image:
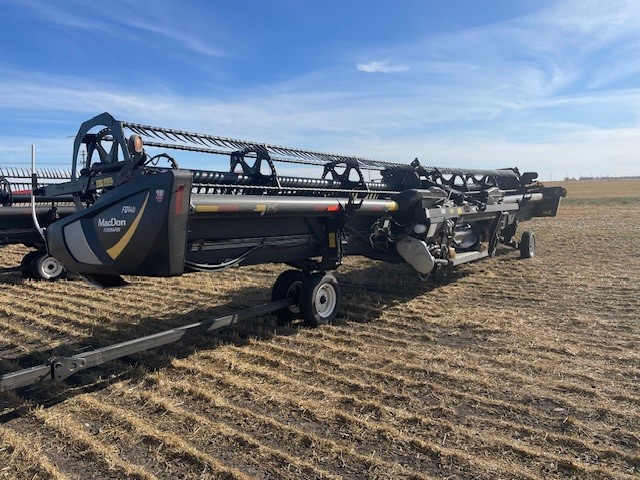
(16, 218)
(135, 217)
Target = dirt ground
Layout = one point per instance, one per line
(526, 369)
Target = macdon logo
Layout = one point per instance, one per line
(112, 222)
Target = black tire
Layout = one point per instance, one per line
(527, 245)
(319, 299)
(288, 285)
(45, 267)
(25, 263)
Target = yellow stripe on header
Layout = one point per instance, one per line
(207, 208)
(118, 247)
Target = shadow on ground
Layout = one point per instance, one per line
(391, 284)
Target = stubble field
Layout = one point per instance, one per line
(525, 369)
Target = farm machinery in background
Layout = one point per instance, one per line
(16, 218)
(138, 213)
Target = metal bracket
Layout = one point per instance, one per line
(499, 223)
(5, 192)
(63, 367)
(239, 158)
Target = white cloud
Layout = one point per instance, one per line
(518, 93)
(383, 66)
(437, 123)
(134, 21)
(585, 151)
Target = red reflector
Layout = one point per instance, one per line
(228, 208)
(179, 195)
(333, 208)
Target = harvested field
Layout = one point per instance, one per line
(525, 369)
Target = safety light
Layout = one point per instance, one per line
(420, 228)
(135, 144)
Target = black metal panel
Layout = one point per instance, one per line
(140, 228)
(16, 224)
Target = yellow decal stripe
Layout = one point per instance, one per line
(332, 240)
(104, 182)
(207, 208)
(118, 247)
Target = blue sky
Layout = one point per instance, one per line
(549, 86)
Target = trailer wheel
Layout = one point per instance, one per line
(287, 285)
(319, 299)
(527, 245)
(46, 267)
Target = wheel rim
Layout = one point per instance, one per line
(532, 245)
(49, 268)
(325, 300)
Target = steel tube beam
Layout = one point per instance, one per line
(12, 212)
(282, 205)
(532, 197)
(58, 369)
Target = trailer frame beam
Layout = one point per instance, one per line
(58, 369)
